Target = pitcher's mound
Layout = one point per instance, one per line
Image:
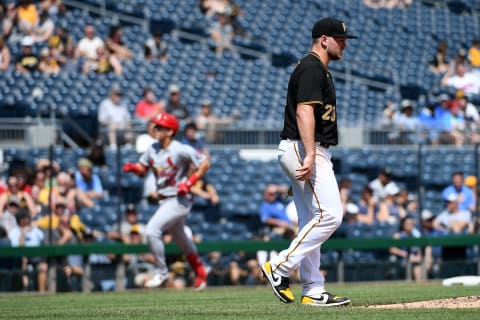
(459, 303)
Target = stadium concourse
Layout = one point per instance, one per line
(387, 72)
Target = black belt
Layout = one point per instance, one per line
(324, 144)
(162, 197)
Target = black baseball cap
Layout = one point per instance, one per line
(331, 27)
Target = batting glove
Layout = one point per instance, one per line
(184, 187)
(130, 167)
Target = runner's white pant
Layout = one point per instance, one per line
(170, 216)
(319, 210)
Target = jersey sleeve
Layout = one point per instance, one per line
(145, 157)
(310, 86)
(193, 155)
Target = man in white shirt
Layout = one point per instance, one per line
(465, 80)
(382, 183)
(113, 115)
(88, 45)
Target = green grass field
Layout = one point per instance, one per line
(236, 303)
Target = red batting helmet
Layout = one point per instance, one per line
(166, 120)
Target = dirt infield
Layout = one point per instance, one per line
(451, 303)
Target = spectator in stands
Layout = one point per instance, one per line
(387, 122)
(156, 48)
(48, 63)
(234, 12)
(146, 139)
(410, 254)
(461, 57)
(116, 45)
(27, 61)
(470, 114)
(408, 202)
(468, 109)
(54, 8)
(272, 210)
(390, 210)
(122, 232)
(439, 63)
(5, 56)
(23, 180)
(454, 123)
(465, 197)
(50, 169)
(193, 138)
(462, 79)
(64, 218)
(350, 214)
(39, 178)
(88, 45)
(222, 33)
(148, 107)
(87, 181)
(45, 28)
(209, 8)
(474, 53)
(7, 219)
(105, 62)
(446, 123)
(388, 4)
(389, 111)
(429, 124)
(10, 29)
(14, 193)
(367, 207)
(113, 117)
(65, 192)
(60, 40)
(96, 154)
(453, 220)
(380, 183)
(407, 121)
(27, 16)
(40, 208)
(26, 234)
(206, 190)
(174, 104)
(208, 122)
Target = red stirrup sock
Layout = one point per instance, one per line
(197, 264)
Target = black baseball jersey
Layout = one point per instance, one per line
(311, 83)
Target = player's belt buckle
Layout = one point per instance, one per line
(323, 144)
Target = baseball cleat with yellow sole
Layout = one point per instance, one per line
(280, 285)
(325, 300)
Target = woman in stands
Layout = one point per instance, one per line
(14, 193)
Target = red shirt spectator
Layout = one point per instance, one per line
(148, 107)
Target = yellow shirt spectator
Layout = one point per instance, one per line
(75, 223)
(27, 15)
(474, 53)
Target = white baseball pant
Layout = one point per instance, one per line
(319, 210)
(170, 216)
